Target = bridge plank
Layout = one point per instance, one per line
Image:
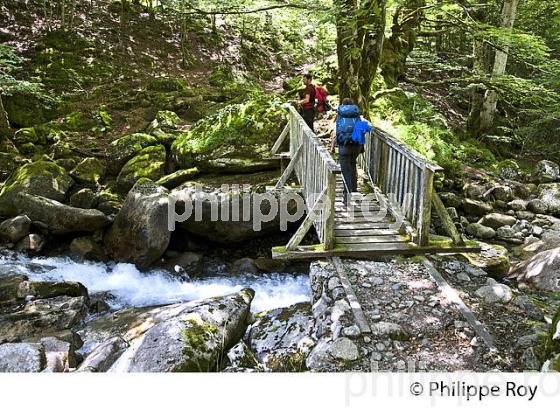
(364, 232)
(365, 225)
(372, 239)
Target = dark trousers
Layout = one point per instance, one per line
(347, 155)
(309, 117)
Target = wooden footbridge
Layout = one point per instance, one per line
(390, 217)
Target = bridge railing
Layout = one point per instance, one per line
(316, 172)
(404, 176)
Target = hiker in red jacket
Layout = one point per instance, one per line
(307, 104)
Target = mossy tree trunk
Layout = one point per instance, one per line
(360, 26)
(400, 44)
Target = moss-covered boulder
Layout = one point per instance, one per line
(493, 259)
(242, 131)
(165, 120)
(28, 135)
(26, 110)
(59, 218)
(190, 337)
(42, 178)
(84, 198)
(281, 338)
(148, 163)
(121, 150)
(89, 171)
(178, 177)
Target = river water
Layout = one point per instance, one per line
(133, 288)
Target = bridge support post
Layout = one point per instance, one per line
(330, 197)
(426, 209)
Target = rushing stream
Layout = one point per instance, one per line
(132, 288)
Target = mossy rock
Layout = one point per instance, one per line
(493, 259)
(26, 110)
(89, 171)
(85, 198)
(245, 130)
(178, 177)
(67, 163)
(148, 163)
(78, 121)
(42, 178)
(30, 149)
(165, 120)
(28, 135)
(124, 148)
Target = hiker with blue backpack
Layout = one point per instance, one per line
(351, 130)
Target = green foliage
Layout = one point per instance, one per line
(415, 121)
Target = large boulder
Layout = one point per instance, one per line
(281, 338)
(57, 217)
(140, 233)
(43, 317)
(148, 163)
(42, 178)
(232, 226)
(14, 229)
(22, 358)
(550, 195)
(242, 131)
(190, 337)
(546, 171)
(541, 272)
(121, 150)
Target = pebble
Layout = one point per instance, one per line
(380, 346)
(376, 281)
(376, 356)
(401, 365)
(366, 285)
(419, 298)
(367, 339)
(351, 331)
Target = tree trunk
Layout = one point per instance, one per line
(488, 111)
(477, 95)
(373, 28)
(359, 27)
(5, 129)
(401, 42)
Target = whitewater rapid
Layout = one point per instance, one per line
(133, 288)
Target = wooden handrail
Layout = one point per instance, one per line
(405, 176)
(316, 171)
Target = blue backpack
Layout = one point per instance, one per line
(348, 116)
